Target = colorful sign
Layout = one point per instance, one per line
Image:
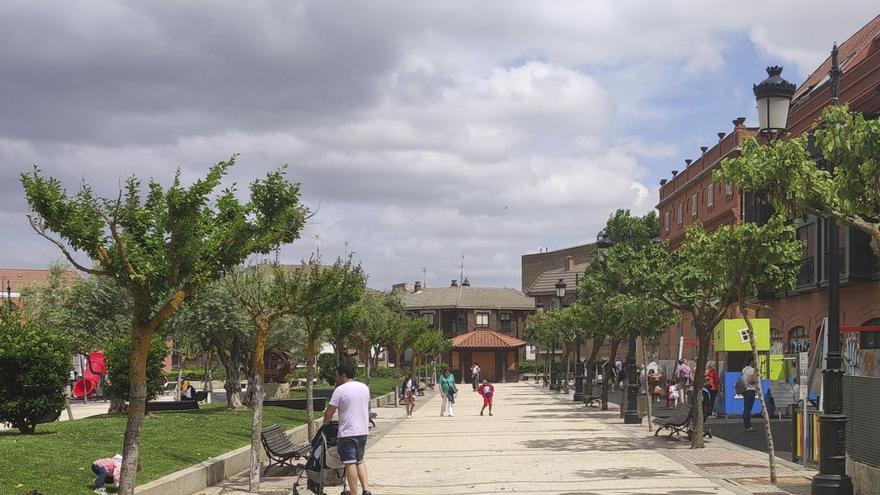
(733, 335)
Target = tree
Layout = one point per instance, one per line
(404, 331)
(160, 246)
(34, 364)
(540, 332)
(266, 292)
(431, 345)
(324, 290)
(215, 318)
(119, 369)
(369, 334)
(785, 173)
(758, 258)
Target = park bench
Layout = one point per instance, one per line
(280, 450)
(681, 420)
(319, 403)
(172, 405)
(592, 400)
(784, 397)
(373, 417)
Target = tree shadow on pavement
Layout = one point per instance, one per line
(623, 473)
(602, 444)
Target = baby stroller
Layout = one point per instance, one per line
(324, 468)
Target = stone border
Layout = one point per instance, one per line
(216, 469)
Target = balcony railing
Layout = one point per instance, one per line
(807, 273)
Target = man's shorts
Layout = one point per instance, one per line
(351, 449)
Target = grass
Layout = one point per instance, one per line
(57, 460)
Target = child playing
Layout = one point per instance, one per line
(487, 391)
(106, 470)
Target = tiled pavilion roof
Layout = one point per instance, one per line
(486, 339)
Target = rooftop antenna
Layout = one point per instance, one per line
(277, 254)
(425, 277)
(461, 271)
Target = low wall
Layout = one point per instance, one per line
(216, 469)
(865, 477)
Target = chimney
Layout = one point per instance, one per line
(569, 263)
(417, 287)
(663, 182)
(454, 283)
(721, 135)
(703, 149)
(465, 283)
(739, 122)
(674, 173)
(687, 162)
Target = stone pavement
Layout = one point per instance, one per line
(544, 444)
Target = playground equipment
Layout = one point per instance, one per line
(92, 374)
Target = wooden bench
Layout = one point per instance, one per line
(172, 405)
(279, 449)
(592, 400)
(682, 420)
(319, 403)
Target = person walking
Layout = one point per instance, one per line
(685, 380)
(712, 377)
(447, 393)
(475, 375)
(654, 385)
(487, 390)
(749, 380)
(410, 389)
(352, 400)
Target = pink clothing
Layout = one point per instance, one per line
(352, 399)
(112, 465)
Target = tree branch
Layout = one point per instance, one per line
(169, 307)
(120, 243)
(42, 233)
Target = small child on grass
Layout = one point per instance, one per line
(107, 471)
(487, 390)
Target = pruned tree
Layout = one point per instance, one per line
(323, 291)
(266, 293)
(404, 332)
(370, 331)
(160, 246)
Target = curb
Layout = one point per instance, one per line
(216, 469)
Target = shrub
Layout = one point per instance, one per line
(531, 366)
(34, 366)
(118, 356)
(385, 372)
(327, 366)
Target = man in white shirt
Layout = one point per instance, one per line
(352, 400)
(475, 375)
(749, 378)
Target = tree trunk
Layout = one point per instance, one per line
(258, 365)
(765, 414)
(367, 366)
(67, 403)
(228, 357)
(209, 379)
(310, 375)
(647, 385)
(180, 361)
(137, 399)
(567, 369)
(396, 377)
(704, 334)
(590, 366)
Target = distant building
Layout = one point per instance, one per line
(496, 316)
(14, 280)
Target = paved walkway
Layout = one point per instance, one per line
(544, 444)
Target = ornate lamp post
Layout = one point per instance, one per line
(602, 242)
(560, 294)
(8, 292)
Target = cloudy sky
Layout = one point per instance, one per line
(420, 131)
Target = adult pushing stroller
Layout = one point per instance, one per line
(324, 468)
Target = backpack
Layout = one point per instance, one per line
(740, 387)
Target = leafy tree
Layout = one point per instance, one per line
(324, 290)
(404, 331)
(327, 364)
(119, 369)
(370, 327)
(160, 246)
(757, 258)
(34, 364)
(785, 173)
(266, 292)
(431, 345)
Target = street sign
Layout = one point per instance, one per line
(803, 374)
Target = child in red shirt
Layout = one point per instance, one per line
(487, 390)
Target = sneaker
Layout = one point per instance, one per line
(101, 491)
(750, 429)
(481, 413)
(490, 414)
(367, 492)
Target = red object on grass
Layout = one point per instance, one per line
(86, 383)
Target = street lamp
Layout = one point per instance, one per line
(8, 292)
(832, 477)
(579, 366)
(773, 96)
(602, 242)
(560, 293)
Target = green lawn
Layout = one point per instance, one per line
(378, 386)
(57, 460)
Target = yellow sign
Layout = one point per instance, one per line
(733, 335)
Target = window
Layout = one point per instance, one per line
(666, 221)
(694, 204)
(870, 340)
(680, 213)
(775, 341)
(482, 319)
(728, 190)
(798, 340)
(429, 318)
(505, 322)
(710, 195)
(539, 307)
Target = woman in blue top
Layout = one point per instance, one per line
(447, 393)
